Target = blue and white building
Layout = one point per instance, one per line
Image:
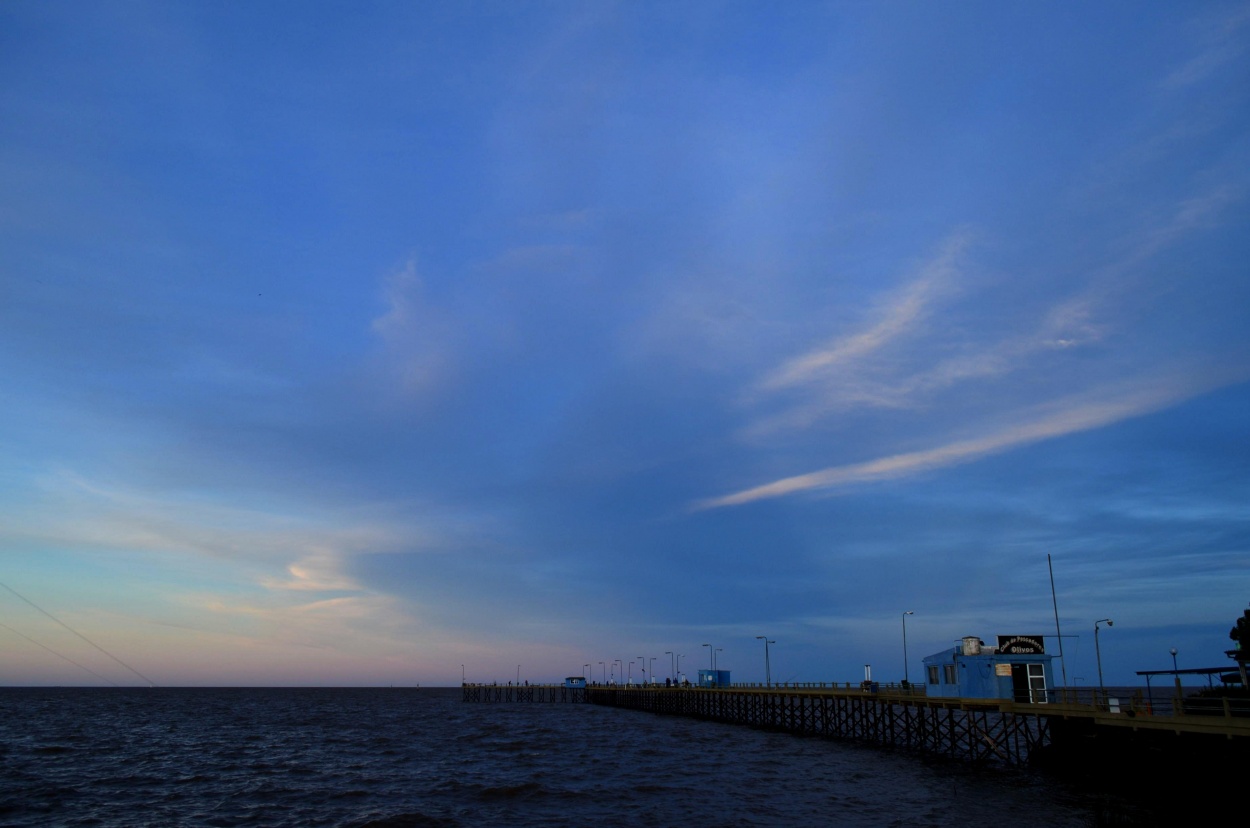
(713, 678)
(1018, 669)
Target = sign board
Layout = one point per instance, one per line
(1002, 670)
(1021, 644)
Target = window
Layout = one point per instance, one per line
(950, 674)
(933, 673)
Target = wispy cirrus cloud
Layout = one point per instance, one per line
(314, 552)
(356, 636)
(1066, 417)
(1222, 41)
(935, 333)
(868, 367)
(319, 572)
(415, 334)
(898, 319)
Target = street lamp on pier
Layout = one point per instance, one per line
(1177, 676)
(906, 675)
(711, 657)
(1098, 654)
(768, 671)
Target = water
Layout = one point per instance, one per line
(393, 758)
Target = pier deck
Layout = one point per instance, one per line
(984, 731)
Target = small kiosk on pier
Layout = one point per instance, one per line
(713, 678)
(1018, 669)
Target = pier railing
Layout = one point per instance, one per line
(1061, 701)
(508, 693)
(879, 687)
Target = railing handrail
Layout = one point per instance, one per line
(1080, 700)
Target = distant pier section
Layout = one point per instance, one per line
(541, 693)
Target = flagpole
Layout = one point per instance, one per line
(1062, 665)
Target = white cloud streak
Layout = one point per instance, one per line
(320, 572)
(416, 335)
(258, 574)
(315, 554)
(1224, 41)
(1070, 417)
(913, 352)
(80, 512)
(898, 320)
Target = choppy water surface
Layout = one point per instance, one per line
(392, 757)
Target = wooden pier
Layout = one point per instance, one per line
(506, 693)
(982, 731)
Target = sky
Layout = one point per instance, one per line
(391, 343)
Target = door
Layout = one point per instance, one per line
(1019, 683)
(1028, 683)
(1037, 684)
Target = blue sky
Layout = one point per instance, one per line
(354, 343)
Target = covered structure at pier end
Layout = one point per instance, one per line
(1018, 669)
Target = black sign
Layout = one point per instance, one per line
(1021, 644)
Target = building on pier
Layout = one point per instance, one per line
(1018, 669)
(713, 678)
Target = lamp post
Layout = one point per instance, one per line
(768, 670)
(672, 668)
(462, 674)
(1098, 655)
(604, 665)
(518, 675)
(642, 666)
(586, 672)
(711, 657)
(678, 673)
(1177, 676)
(906, 675)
